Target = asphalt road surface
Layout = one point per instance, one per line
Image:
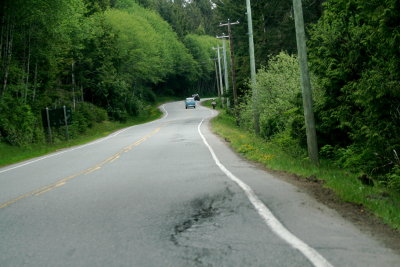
(168, 193)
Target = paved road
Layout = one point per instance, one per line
(168, 193)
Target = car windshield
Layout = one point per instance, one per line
(190, 99)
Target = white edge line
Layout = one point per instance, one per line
(78, 147)
(165, 111)
(274, 224)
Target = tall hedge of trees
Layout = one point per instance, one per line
(110, 57)
(105, 59)
(273, 30)
(186, 17)
(354, 52)
(199, 46)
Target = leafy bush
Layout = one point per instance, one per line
(79, 124)
(91, 113)
(134, 106)
(289, 144)
(84, 117)
(17, 122)
(327, 152)
(278, 101)
(148, 95)
(276, 88)
(118, 114)
(394, 178)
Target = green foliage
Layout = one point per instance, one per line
(91, 112)
(148, 95)
(382, 202)
(200, 46)
(84, 117)
(130, 49)
(114, 54)
(327, 152)
(354, 49)
(277, 100)
(17, 123)
(273, 30)
(94, 6)
(185, 17)
(394, 178)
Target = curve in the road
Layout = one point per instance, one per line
(86, 171)
(274, 224)
(78, 147)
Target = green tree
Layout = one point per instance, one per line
(355, 50)
(273, 30)
(200, 46)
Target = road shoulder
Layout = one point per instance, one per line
(362, 219)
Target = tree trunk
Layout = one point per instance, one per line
(10, 35)
(34, 83)
(3, 21)
(73, 82)
(28, 67)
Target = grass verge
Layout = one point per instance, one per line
(378, 200)
(12, 154)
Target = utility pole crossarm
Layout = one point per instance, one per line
(229, 23)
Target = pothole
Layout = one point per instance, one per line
(198, 228)
(204, 213)
(201, 216)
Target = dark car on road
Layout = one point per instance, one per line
(196, 97)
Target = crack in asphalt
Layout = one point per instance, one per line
(203, 214)
(199, 221)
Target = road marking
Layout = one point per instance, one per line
(115, 158)
(93, 170)
(165, 111)
(63, 181)
(274, 224)
(47, 189)
(79, 147)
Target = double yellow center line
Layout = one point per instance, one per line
(84, 172)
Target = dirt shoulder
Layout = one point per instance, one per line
(366, 221)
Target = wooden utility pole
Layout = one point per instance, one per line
(73, 83)
(251, 43)
(217, 78)
(225, 65)
(256, 114)
(232, 59)
(305, 83)
(219, 71)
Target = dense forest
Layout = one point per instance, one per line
(354, 58)
(105, 59)
(109, 58)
